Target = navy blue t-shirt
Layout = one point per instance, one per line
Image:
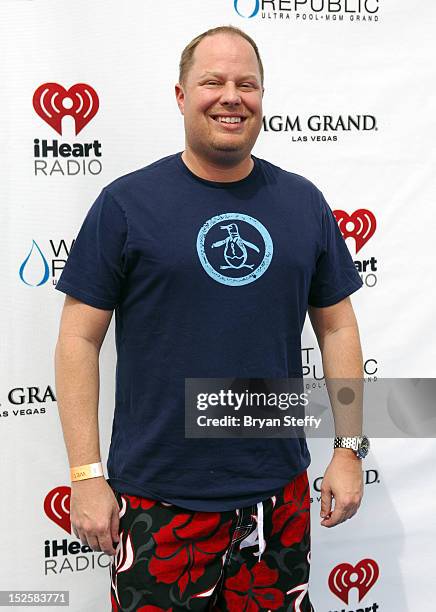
(208, 280)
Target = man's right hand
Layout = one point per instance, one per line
(94, 513)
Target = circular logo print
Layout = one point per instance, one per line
(234, 249)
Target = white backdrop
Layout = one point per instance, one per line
(338, 62)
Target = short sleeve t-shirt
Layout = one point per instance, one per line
(207, 280)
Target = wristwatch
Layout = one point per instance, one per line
(359, 444)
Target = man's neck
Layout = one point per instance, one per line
(213, 171)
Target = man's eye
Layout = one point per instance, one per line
(245, 85)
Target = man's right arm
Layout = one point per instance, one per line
(93, 508)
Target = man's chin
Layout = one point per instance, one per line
(223, 152)
(227, 147)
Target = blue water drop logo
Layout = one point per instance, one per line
(35, 259)
(255, 10)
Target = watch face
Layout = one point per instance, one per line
(363, 447)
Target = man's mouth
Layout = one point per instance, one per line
(232, 120)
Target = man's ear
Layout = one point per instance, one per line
(180, 97)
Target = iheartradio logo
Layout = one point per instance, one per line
(52, 102)
(57, 507)
(361, 576)
(360, 225)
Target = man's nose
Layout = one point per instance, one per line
(230, 94)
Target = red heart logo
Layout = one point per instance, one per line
(360, 225)
(57, 507)
(344, 577)
(52, 102)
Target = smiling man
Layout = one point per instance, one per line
(211, 258)
(220, 95)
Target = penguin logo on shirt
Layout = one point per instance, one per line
(241, 256)
(235, 252)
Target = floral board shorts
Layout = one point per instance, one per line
(250, 559)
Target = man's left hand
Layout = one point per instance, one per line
(343, 481)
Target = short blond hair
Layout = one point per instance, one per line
(187, 57)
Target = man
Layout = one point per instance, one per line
(210, 258)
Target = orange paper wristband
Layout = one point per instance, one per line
(83, 472)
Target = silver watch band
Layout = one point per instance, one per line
(344, 442)
(358, 444)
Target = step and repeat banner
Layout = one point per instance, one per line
(349, 103)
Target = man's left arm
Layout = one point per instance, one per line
(337, 333)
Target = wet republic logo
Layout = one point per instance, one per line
(42, 266)
(309, 10)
